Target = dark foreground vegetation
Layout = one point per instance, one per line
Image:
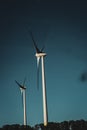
(65, 125)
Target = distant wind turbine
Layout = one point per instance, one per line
(40, 55)
(23, 92)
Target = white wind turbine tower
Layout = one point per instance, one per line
(23, 92)
(40, 55)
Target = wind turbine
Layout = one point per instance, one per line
(40, 56)
(23, 92)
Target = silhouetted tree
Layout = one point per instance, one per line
(6, 127)
(65, 125)
(16, 127)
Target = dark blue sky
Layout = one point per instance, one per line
(60, 26)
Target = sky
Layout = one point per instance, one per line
(59, 26)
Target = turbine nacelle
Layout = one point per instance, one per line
(40, 54)
(21, 86)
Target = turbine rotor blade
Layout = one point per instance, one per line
(22, 100)
(22, 96)
(35, 45)
(18, 84)
(38, 62)
(21, 86)
(37, 50)
(24, 81)
(42, 49)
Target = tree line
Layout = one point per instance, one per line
(65, 125)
